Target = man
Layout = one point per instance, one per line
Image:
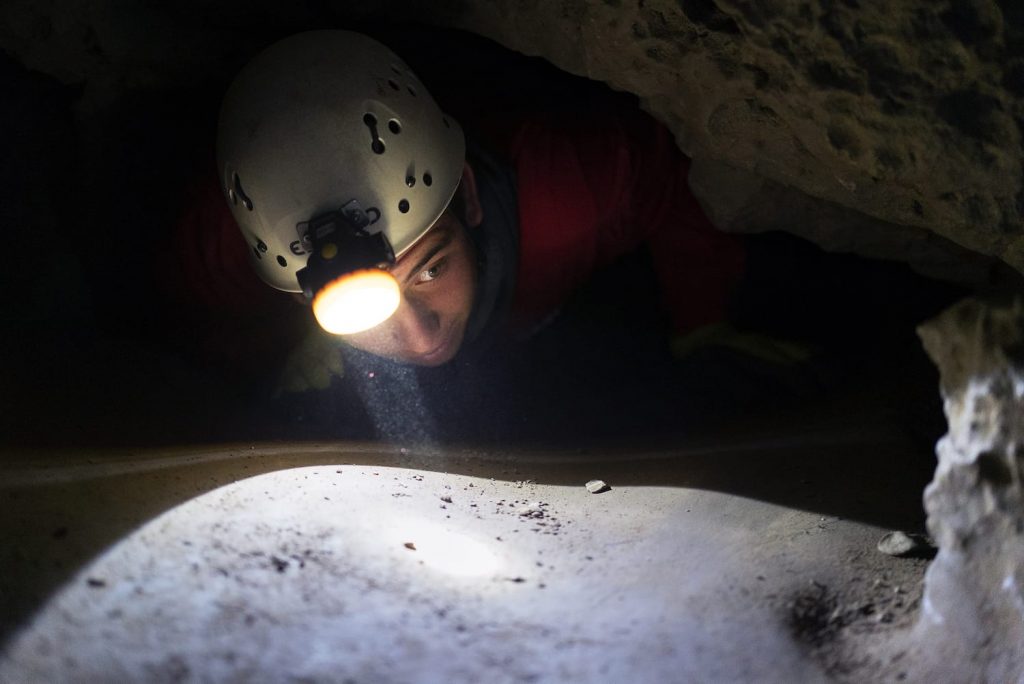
(491, 233)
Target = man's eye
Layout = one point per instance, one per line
(433, 272)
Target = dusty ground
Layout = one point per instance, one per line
(719, 558)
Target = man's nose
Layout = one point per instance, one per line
(416, 327)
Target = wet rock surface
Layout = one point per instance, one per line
(974, 601)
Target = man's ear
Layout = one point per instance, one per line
(470, 199)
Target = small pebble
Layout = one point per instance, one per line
(446, 499)
(531, 511)
(597, 486)
(901, 544)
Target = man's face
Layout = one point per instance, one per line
(437, 277)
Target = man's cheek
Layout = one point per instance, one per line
(466, 293)
(370, 341)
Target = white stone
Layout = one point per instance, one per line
(975, 503)
(896, 544)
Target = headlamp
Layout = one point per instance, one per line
(346, 274)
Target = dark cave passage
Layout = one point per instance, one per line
(159, 451)
(97, 339)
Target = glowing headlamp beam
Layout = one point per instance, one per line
(356, 301)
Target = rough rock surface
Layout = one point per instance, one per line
(974, 590)
(908, 112)
(739, 201)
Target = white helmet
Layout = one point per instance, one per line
(328, 129)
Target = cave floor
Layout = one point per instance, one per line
(734, 555)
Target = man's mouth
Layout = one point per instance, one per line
(438, 354)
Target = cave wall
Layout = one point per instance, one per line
(908, 113)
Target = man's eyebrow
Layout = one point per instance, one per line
(445, 241)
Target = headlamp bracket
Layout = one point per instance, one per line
(339, 243)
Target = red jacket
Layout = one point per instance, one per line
(590, 189)
(593, 188)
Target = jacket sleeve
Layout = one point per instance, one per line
(598, 184)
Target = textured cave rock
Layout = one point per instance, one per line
(974, 590)
(739, 201)
(909, 113)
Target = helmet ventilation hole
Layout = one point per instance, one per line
(256, 251)
(239, 193)
(394, 86)
(403, 206)
(428, 180)
(394, 126)
(281, 261)
(398, 72)
(371, 122)
(412, 91)
(410, 181)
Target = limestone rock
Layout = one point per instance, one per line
(973, 608)
(907, 111)
(898, 543)
(739, 201)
